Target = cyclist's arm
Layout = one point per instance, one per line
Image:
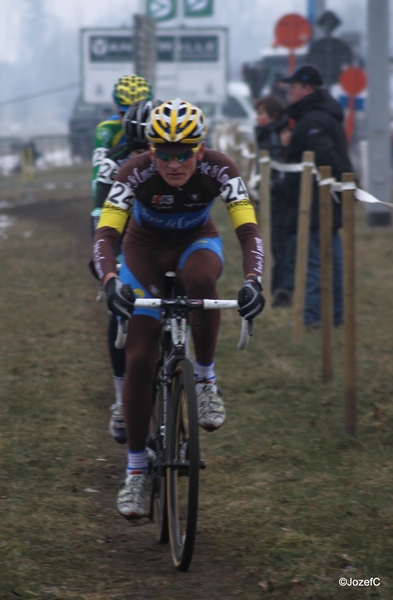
(107, 134)
(242, 214)
(105, 179)
(113, 220)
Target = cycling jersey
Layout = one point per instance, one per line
(115, 158)
(173, 213)
(107, 134)
(108, 170)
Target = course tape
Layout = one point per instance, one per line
(335, 186)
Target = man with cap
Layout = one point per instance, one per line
(318, 127)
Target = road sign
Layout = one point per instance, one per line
(330, 55)
(198, 8)
(328, 22)
(161, 10)
(292, 31)
(353, 80)
(191, 63)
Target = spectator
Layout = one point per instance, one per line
(269, 132)
(318, 128)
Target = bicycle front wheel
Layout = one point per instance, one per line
(156, 496)
(183, 465)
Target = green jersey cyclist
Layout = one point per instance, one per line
(133, 124)
(109, 133)
(171, 190)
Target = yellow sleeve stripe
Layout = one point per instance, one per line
(241, 212)
(114, 217)
(117, 138)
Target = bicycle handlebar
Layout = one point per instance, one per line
(246, 327)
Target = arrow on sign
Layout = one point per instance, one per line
(197, 5)
(198, 8)
(161, 9)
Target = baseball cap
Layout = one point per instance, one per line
(306, 74)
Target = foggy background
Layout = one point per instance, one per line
(39, 47)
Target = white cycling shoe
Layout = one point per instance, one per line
(131, 500)
(211, 409)
(117, 425)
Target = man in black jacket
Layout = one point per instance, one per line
(318, 127)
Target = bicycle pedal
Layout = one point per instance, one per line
(202, 464)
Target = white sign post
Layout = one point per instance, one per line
(191, 63)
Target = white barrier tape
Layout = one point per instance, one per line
(254, 180)
(330, 181)
(335, 186)
(366, 197)
(247, 154)
(361, 195)
(245, 151)
(287, 168)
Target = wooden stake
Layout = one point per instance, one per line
(303, 234)
(264, 223)
(348, 204)
(325, 231)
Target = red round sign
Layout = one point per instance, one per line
(292, 31)
(353, 80)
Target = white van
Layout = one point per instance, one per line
(237, 108)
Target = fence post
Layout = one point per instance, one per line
(348, 208)
(325, 231)
(303, 234)
(264, 223)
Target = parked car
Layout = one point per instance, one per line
(238, 108)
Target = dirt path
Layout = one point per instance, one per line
(117, 560)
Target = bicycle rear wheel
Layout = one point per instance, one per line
(156, 497)
(183, 470)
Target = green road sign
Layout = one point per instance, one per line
(161, 10)
(198, 8)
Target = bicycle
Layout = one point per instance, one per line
(173, 439)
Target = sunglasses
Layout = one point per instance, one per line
(179, 157)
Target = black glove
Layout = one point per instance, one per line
(250, 299)
(120, 299)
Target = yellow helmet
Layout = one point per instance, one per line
(130, 89)
(176, 121)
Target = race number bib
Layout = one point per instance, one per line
(234, 190)
(98, 156)
(108, 171)
(121, 196)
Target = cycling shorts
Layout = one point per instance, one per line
(144, 265)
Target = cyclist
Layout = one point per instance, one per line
(172, 190)
(109, 133)
(133, 127)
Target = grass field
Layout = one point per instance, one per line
(289, 504)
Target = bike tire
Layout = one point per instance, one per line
(157, 497)
(183, 481)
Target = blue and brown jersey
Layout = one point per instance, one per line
(173, 212)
